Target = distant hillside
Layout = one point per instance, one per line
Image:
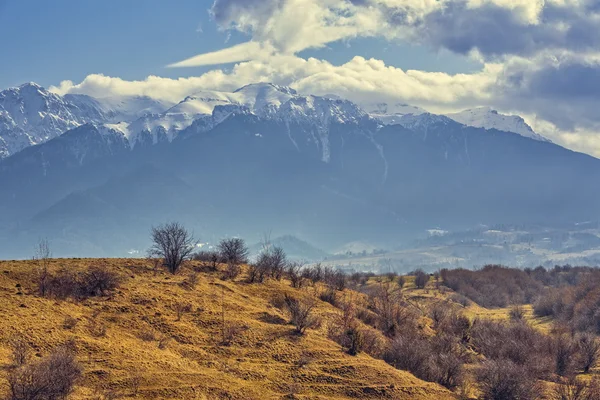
(296, 249)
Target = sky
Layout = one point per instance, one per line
(536, 58)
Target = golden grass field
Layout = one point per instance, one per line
(132, 345)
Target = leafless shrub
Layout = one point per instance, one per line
(368, 317)
(271, 263)
(173, 243)
(233, 250)
(70, 322)
(19, 351)
(373, 343)
(301, 313)
(95, 281)
(437, 360)
(564, 349)
(136, 382)
(98, 281)
(182, 308)
(304, 360)
(460, 299)
(517, 313)
(51, 378)
(335, 279)
(232, 271)
(314, 273)
(231, 331)
(576, 389)
(191, 281)
(63, 285)
(163, 342)
(294, 274)
(147, 336)
(358, 279)
(210, 258)
(393, 313)
(493, 285)
(421, 279)
(329, 296)
(42, 257)
(97, 328)
(589, 351)
(502, 379)
(401, 281)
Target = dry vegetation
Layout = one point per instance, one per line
(153, 334)
(216, 327)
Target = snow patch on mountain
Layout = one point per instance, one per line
(391, 114)
(30, 115)
(487, 118)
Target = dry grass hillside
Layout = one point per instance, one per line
(191, 336)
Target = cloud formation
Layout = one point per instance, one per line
(541, 58)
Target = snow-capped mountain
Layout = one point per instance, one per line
(267, 158)
(487, 118)
(30, 114)
(391, 114)
(264, 100)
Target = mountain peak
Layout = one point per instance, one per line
(31, 85)
(261, 86)
(488, 118)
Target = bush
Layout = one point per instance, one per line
(502, 379)
(98, 281)
(301, 313)
(421, 279)
(516, 313)
(19, 353)
(294, 274)
(70, 322)
(53, 377)
(234, 252)
(95, 281)
(577, 389)
(589, 351)
(270, 263)
(494, 285)
(211, 258)
(437, 360)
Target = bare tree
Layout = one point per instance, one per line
(42, 256)
(234, 252)
(421, 279)
(589, 351)
(173, 243)
(301, 313)
(294, 274)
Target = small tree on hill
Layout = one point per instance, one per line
(421, 279)
(234, 252)
(173, 243)
(42, 256)
(301, 313)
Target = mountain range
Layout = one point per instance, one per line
(94, 174)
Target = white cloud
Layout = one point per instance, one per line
(241, 52)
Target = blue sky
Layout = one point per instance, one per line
(51, 41)
(536, 58)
